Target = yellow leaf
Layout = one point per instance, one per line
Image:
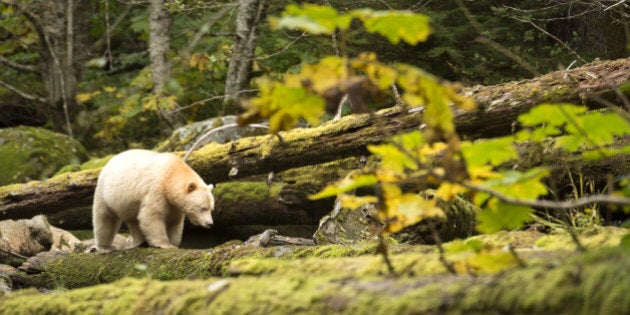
(84, 97)
(109, 89)
(447, 191)
(354, 202)
(402, 210)
(479, 173)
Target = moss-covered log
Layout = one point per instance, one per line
(52, 269)
(498, 108)
(284, 281)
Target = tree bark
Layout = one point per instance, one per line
(56, 24)
(250, 14)
(348, 137)
(159, 23)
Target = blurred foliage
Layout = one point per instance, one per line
(433, 156)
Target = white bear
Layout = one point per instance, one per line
(151, 192)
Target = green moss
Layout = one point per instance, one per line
(246, 190)
(34, 153)
(596, 237)
(589, 283)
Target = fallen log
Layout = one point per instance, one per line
(348, 137)
(296, 279)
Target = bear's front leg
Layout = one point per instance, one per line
(136, 234)
(153, 227)
(175, 231)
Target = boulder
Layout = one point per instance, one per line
(184, 137)
(30, 153)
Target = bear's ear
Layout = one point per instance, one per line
(191, 187)
(211, 187)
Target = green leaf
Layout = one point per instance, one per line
(551, 114)
(502, 216)
(392, 159)
(285, 105)
(345, 185)
(493, 151)
(594, 129)
(313, 19)
(527, 185)
(410, 141)
(396, 25)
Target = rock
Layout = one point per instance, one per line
(347, 226)
(6, 282)
(37, 263)
(63, 240)
(28, 153)
(184, 137)
(120, 242)
(26, 238)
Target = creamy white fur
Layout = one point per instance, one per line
(151, 192)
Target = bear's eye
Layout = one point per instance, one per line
(191, 187)
(204, 209)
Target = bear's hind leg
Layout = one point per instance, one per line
(106, 225)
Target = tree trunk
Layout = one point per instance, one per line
(250, 14)
(159, 44)
(348, 137)
(61, 47)
(159, 23)
(60, 36)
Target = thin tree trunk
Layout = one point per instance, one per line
(250, 15)
(159, 42)
(159, 23)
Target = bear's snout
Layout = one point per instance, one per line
(206, 222)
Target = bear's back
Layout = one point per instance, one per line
(131, 175)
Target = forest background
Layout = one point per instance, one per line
(127, 73)
(114, 75)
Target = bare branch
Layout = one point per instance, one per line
(18, 66)
(23, 94)
(206, 27)
(568, 204)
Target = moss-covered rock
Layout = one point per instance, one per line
(183, 138)
(347, 226)
(28, 153)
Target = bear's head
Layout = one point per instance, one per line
(198, 203)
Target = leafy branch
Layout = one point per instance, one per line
(433, 156)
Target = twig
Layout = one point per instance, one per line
(569, 204)
(12, 253)
(382, 249)
(485, 39)
(521, 263)
(30, 97)
(438, 243)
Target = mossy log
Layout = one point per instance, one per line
(498, 108)
(328, 279)
(55, 269)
